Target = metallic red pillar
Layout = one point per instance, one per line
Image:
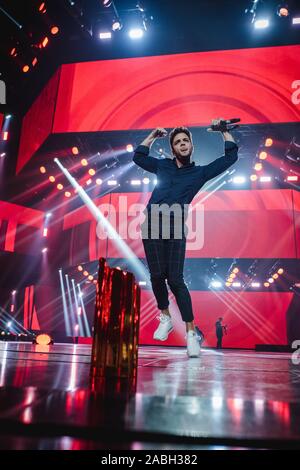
(116, 325)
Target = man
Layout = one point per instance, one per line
(219, 332)
(179, 180)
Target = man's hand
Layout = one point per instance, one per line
(158, 132)
(155, 134)
(227, 136)
(217, 126)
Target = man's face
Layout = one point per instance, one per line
(182, 147)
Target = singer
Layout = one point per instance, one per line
(179, 180)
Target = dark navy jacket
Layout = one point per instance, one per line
(180, 185)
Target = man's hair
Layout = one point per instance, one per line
(178, 130)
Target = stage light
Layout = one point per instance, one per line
(235, 270)
(54, 30)
(42, 169)
(270, 280)
(5, 135)
(111, 182)
(142, 283)
(105, 35)
(79, 311)
(25, 68)
(255, 284)
(253, 177)
(129, 148)
(280, 271)
(292, 178)
(2, 154)
(296, 20)
(14, 292)
(98, 181)
(13, 52)
(85, 273)
(9, 323)
(80, 268)
(116, 25)
(261, 23)
(45, 41)
(258, 166)
(135, 182)
(107, 3)
(89, 181)
(92, 172)
(236, 284)
(34, 61)
(283, 11)
(216, 284)
(146, 180)
(275, 276)
(43, 339)
(8, 116)
(136, 33)
(268, 142)
(84, 162)
(232, 276)
(60, 186)
(239, 179)
(52, 179)
(265, 179)
(266, 284)
(75, 150)
(42, 6)
(262, 155)
(90, 277)
(155, 182)
(67, 194)
(45, 232)
(44, 250)
(48, 214)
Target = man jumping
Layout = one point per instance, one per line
(179, 180)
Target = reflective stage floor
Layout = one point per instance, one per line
(225, 399)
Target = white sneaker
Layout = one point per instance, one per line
(164, 328)
(193, 347)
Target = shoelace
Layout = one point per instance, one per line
(162, 317)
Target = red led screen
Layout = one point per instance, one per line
(20, 228)
(251, 318)
(241, 224)
(258, 85)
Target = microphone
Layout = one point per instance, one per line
(224, 125)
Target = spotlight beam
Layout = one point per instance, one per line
(77, 309)
(87, 328)
(133, 261)
(11, 18)
(65, 309)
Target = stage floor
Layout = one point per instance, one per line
(224, 399)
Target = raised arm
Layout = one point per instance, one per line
(221, 164)
(141, 154)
